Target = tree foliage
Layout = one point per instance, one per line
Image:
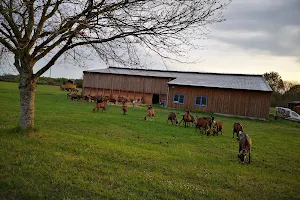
(275, 81)
(293, 93)
(284, 91)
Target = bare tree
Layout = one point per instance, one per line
(117, 30)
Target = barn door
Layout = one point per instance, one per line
(155, 98)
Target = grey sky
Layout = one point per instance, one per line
(271, 25)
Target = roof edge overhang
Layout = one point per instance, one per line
(172, 71)
(131, 74)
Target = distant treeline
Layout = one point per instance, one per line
(43, 80)
(283, 91)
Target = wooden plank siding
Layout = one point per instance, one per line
(132, 87)
(226, 101)
(153, 85)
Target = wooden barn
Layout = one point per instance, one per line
(231, 94)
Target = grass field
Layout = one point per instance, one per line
(78, 154)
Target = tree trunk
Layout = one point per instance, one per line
(27, 88)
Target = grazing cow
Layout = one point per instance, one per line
(172, 117)
(106, 98)
(237, 127)
(150, 113)
(202, 123)
(122, 99)
(210, 120)
(73, 96)
(112, 100)
(69, 95)
(217, 128)
(245, 144)
(92, 98)
(76, 96)
(187, 118)
(85, 98)
(100, 105)
(99, 100)
(124, 108)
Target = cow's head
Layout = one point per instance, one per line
(242, 156)
(215, 129)
(207, 131)
(240, 133)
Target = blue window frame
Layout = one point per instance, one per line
(201, 100)
(178, 98)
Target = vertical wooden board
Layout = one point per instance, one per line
(86, 91)
(226, 101)
(153, 85)
(106, 92)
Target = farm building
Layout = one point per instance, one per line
(232, 94)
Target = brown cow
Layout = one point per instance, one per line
(210, 120)
(112, 100)
(124, 108)
(187, 118)
(74, 96)
(237, 127)
(202, 123)
(150, 113)
(245, 144)
(172, 117)
(100, 105)
(217, 128)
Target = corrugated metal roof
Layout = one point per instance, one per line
(223, 81)
(200, 79)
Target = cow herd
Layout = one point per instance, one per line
(114, 100)
(206, 125)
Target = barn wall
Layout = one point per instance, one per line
(226, 101)
(153, 85)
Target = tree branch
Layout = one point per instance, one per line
(7, 45)
(54, 58)
(9, 19)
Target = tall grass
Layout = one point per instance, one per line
(77, 154)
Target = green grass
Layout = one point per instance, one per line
(77, 154)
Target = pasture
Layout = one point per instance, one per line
(77, 154)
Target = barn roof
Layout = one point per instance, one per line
(136, 72)
(223, 81)
(200, 79)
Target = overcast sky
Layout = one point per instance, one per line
(258, 36)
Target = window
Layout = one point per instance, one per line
(201, 101)
(178, 98)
